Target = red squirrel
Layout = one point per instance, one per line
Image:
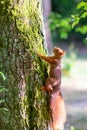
(52, 85)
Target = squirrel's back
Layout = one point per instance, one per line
(55, 70)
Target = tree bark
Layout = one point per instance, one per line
(21, 35)
(46, 13)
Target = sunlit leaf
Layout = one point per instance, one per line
(63, 34)
(76, 20)
(84, 15)
(85, 8)
(81, 4)
(72, 128)
(82, 29)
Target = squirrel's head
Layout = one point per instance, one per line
(59, 53)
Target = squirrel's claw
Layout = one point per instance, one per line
(43, 89)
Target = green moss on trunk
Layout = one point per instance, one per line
(21, 35)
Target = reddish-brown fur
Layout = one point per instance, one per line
(52, 85)
(57, 109)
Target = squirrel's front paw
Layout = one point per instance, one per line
(43, 89)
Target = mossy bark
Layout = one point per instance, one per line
(21, 35)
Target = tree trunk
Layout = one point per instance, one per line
(46, 13)
(21, 35)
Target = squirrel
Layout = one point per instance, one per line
(52, 85)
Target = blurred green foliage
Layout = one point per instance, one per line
(64, 25)
(64, 7)
(81, 17)
(82, 13)
(72, 128)
(60, 24)
(69, 61)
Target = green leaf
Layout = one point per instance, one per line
(85, 8)
(63, 34)
(72, 128)
(76, 20)
(81, 4)
(82, 29)
(84, 15)
(52, 26)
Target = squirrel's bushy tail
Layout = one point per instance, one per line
(57, 111)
